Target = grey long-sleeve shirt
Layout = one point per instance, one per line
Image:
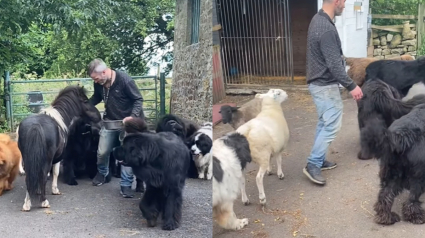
(124, 98)
(325, 61)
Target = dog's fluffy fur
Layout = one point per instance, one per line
(183, 128)
(402, 75)
(200, 144)
(231, 154)
(357, 67)
(161, 160)
(381, 99)
(400, 150)
(10, 159)
(268, 136)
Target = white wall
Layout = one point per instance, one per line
(353, 36)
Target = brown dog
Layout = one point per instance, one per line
(10, 159)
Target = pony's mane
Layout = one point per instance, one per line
(66, 105)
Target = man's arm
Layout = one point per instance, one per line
(333, 58)
(96, 98)
(133, 92)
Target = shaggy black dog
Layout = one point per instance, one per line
(380, 99)
(184, 129)
(162, 161)
(400, 150)
(398, 73)
(81, 156)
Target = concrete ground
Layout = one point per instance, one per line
(85, 211)
(299, 208)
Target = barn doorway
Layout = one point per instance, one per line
(264, 42)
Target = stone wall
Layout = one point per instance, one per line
(191, 95)
(391, 44)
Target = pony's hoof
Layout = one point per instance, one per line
(55, 191)
(246, 203)
(263, 201)
(26, 208)
(45, 204)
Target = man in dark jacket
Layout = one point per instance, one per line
(325, 71)
(123, 101)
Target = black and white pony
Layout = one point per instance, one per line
(381, 99)
(43, 137)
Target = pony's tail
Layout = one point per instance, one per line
(34, 155)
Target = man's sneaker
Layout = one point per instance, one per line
(314, 174)
(328, 165)
(99, 179)
(126, 192)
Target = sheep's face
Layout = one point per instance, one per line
(278, 95)
(226, 113)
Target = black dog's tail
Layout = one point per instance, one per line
(376, 137)
(34, 154)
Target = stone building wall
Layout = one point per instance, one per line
(389, 45)
(191, 95)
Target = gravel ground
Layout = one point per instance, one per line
(85, 211)
(297, 207)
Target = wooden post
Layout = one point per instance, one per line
(420, 28)
(370, 47)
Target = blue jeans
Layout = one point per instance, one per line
(107, 141)
(329, 110)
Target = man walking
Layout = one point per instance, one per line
(325, 71)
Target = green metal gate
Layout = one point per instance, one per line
(26, 97)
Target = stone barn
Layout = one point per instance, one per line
(191, 93)
(264, 42)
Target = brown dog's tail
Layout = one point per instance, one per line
(135, 125)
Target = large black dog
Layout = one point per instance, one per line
(400, 150)
(381, 99)
(400, 74)
(81, 152)
(162, 161)
(183, 128)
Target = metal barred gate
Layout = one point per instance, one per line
(256, 41)
(25, 97)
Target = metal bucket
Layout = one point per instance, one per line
(113, 124)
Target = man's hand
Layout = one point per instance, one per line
(356, 93)
(126, 119)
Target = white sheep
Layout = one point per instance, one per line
(268, 136)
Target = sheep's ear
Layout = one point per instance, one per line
(235, 109)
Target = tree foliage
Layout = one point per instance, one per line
(61, 37)
(394, 7)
